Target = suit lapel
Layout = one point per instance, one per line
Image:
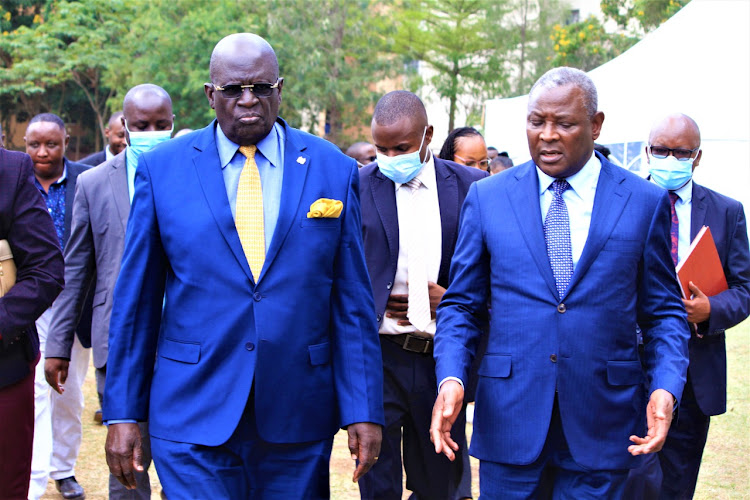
(447, 188)
(296, 166)
(118, 180)
(384, 196)
(208, 169)
(70, 191)
(524, 196)
(697, 210)
(609, 202)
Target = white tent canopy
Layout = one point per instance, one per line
(698, 63)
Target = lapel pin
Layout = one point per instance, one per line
(301, 160)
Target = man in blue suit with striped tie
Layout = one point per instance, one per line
(581, 257)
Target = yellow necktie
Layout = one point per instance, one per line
(249, 213)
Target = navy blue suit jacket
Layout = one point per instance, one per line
(380, 222)
(26, 224)
(581, 349)
(708, 358)
(192, 332)
(95, 159)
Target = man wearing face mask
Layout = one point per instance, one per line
(410, 206)
(92, 256)
(673, 154)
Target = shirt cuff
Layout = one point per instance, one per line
(440, 385)
(122, 421)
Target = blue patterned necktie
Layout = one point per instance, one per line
(557, 236)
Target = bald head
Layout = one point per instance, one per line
(248, 44)
(399, 104)
(677, 126)
(146, 108)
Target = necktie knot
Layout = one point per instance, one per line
(673, 197)
(559, 187)
(414, 184)
(248, 151)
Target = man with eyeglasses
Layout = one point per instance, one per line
(673, 154)
(243, 325)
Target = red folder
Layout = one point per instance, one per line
(702, 266)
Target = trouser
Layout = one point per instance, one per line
(409, 392)
(57, 418)
(245, 466)
(143, 483)
(16, 437)
(555, 475)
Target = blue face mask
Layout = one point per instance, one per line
(402, 168)
(140, 142)
(671, 173)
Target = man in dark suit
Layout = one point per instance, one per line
(58, 433)
(115, 134)
(673, 154)
(266, 342)
(581, 255)
(94, 251)
(393, 215)
(27, 226)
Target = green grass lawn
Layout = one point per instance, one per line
(725, 473)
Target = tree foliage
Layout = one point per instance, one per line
(586, 44)
(463, 41)
(643, 15)
(78, 57)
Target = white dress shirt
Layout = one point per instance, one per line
(426, 214)
(579, 200)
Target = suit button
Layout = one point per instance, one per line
(250, 346)
(561, 308)
(389, 285)
(553, 358)
(257, 296)
(379, 317)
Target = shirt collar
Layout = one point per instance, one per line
(427, 175)
(108, 153)
(269, 146)
(581, 182)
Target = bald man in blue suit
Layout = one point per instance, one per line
(245, 373)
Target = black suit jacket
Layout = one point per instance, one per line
(95, 159)
(26, 224)
(708, 358)
(380, 222)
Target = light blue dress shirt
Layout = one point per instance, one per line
(270, 161)
(130, 165)
(579, 200)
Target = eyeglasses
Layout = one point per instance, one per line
(474, 163)
(680, 154)
(259, 89)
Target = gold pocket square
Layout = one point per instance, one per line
(325, 208)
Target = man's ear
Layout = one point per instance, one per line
(428, 135)
(697, 159)
(208, 89)
(596, 124)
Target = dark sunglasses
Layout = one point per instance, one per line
(680, 154)
(259, 89)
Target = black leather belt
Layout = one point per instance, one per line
(412, 343)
